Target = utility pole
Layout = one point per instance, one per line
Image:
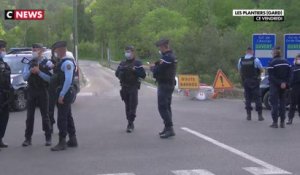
(75, 30)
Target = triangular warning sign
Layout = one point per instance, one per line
(221, 81)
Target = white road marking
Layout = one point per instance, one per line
(85, 94)
(266, 167)
(192, 172)
(118, 174)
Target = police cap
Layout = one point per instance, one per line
(59, 44)
(2, 43)
(276, 48)
(161, 42)
(37, 45)
(129, 47)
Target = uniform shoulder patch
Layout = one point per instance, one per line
(68, 66)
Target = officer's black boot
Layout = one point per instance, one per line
(168, 133)
(48, 141)
(248, 115)
(163, 131)
(290, 121)
(72, 142)
(62, 145)
(27, 142)
(274, 125)
(130, 127)
(260, 116)
(282, 124)
(3, 145)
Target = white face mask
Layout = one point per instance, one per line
(2, 54)
(128, 55)
(55, 55)
(35, 54)
(159, 52)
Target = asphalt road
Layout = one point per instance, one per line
(213, 138)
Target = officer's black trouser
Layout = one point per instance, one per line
(40, 98)
(278, 104)
(131, 101)
(4, 114)
(65, 122)
(252, 93)
(52, 103)
(164, 97)
(295, 101)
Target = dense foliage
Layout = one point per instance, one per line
(203, 33)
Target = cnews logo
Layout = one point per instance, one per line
(24, 14)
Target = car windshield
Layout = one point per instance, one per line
(15, 65)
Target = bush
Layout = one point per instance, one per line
(88, 50)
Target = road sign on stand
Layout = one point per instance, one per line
(262, 46)
(222, 82)
(291, 46)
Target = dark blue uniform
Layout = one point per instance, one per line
(65, 122)
(164, 72)
(5, 86)
(129, 73)
(295, 92)
(279, 72)
(37, 96)
(250, 73)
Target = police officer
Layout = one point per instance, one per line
(37, 74)
(250, 69)
(295, 92)
(129, 73)
(279, 72)
(5, 86)
(52, 90)
(164, 72)
(65, 93)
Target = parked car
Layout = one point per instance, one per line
(17, 81)
(265, 93)
(20, 50)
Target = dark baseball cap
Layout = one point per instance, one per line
(249, 48)
(59, 44)
(161, 42)
(2, 43)
(276, 48)
(37, 45)
(129, 47)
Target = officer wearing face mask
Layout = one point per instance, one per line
(279, 75)
(295, 92)
(64, 94)
(164, 72)
(37, 74)
(129, 73)
(5, 86)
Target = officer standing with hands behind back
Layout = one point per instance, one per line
(37, 74)
(250, 69)
(279, 75)
(164, 72)
(5, 86)
(65, 93)
(129, 73)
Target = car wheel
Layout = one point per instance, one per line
(266, 100)
(20, 101)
